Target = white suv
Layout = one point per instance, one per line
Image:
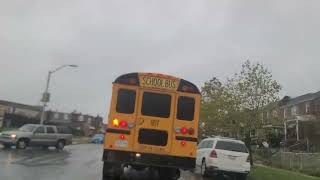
(218, 156)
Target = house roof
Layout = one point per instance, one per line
(19, 105)
(303, 98)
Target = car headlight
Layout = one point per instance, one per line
(13, 136)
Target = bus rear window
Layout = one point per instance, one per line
(185, 108)
(155, 104)
(126, 101)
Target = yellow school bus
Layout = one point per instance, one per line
(152, 122)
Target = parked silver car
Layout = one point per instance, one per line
(36, 135)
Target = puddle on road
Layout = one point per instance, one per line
(37, 157)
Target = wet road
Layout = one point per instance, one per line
(76, 162)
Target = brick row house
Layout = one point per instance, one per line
(300, 117)
(86, 124)
(14, 115)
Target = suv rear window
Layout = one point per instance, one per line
(126, 101)
(50, 130)
(63, 130)
(231, 146)
(185, 108)
(155, 104)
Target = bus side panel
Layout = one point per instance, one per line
(112, 138)
(189, 149)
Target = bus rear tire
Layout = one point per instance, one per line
(169, 173)
(112, 171)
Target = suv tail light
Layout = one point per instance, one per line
(213, 154)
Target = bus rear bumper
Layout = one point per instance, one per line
(150, 160)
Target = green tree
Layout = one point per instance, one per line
(255, 88)
(219, 110)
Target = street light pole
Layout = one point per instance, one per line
(46, 96)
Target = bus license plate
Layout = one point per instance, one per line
(121, 143)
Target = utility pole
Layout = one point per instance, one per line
(46, 95)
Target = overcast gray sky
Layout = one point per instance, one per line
(192, 39)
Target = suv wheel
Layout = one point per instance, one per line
(203, 169)
(60, 145)
(22, 144)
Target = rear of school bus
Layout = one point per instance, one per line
(153, 122)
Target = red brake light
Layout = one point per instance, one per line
(184, 130)
(191, 131)
(123, 124)
(122, 137)
(213, 154)
(183, 143)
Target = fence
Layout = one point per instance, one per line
(305, 162)
(308, 163)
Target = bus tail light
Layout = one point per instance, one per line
(184, 130)
(213, 154)
(191, 131)
(122, 137)
(183, 143)
(178, 130)
(123, 124)
(115, 122)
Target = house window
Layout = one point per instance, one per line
(308, 107)
(284, 113)
(80, 118)
(294, 110)
(56, 116)
(66, 116)
(275, 113)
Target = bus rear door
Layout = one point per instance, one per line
(154, 124)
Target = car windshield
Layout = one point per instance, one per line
(27, 128)
(231, 146)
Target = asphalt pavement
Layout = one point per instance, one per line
(76, 162)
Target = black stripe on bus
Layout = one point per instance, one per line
(181, 138)
(118, 131)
